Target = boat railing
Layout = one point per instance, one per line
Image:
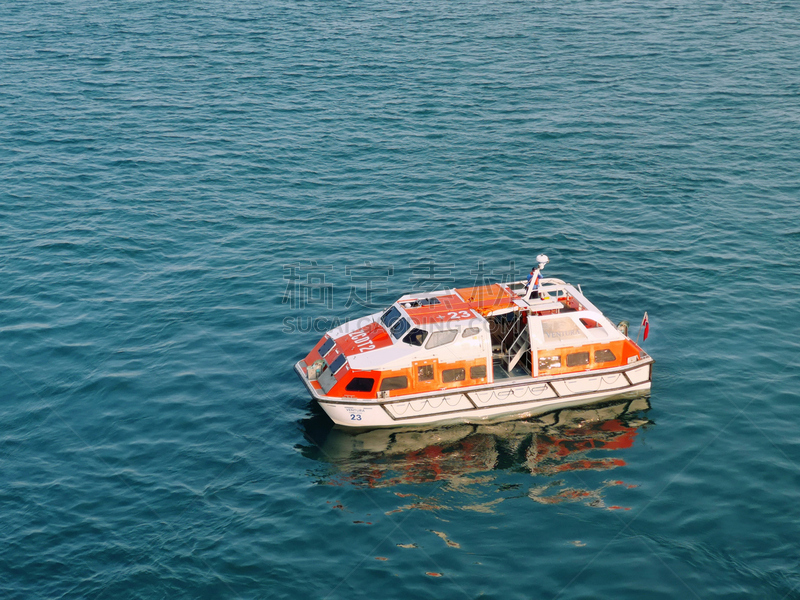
(512, 327)
(519, 287)
(505, 337)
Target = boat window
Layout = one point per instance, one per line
(477, 372)
(360, 384)
(399, 328)
(604, 355)
(425, 373)
(415, 337)
(590, 324)
(549, 362)
(440, 338)
(326, 347)
(450, 375)
(394, 383)
(426, 301)
(470, 331)
(420, 302)
(390, 316)
(338, 363)
(577, 358)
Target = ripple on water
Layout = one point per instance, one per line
(164, 166)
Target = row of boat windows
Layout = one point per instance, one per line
(424, 373)
(576, 359)
(398, 326)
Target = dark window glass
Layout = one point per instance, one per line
(470, 331)
(399, 328)
(577, 359)
(589, 323)
(604, 355)
(394, 383)
(426, 301)
(425, 373)
(326, 347)
(338, 363)
(390, 316)
(360, 384)
(450, 375)
(477, 372)
(415, 337)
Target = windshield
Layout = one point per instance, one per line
(390, 316)
(400, 328)
(415, 337)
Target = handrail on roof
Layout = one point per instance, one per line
(514, 286)
(511, 328)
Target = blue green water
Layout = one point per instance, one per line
(163, 164)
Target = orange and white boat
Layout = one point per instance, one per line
(472, 354)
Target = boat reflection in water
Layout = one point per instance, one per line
(554, 447)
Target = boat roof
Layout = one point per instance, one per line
(553, 327)
(369, 346)
(457, 304)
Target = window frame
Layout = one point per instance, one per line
(388, 387)
(412, 330)
(432, 372)
(554, 361)
(571, 363)
(322, 351)
(463, 373)
(363, 391)
(402, 319)
(336, 360)
(387, 313)
(433, 335)
(472, 374)
(601, 350)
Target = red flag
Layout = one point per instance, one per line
(646, 325)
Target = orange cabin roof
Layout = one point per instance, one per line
(458, 306)
(487, 298)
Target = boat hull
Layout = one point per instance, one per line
(511, 398)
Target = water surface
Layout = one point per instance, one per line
(187, 186)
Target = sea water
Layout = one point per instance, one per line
(192, 192)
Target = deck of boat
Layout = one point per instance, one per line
(500, 371)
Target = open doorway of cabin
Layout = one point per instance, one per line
(511, 356)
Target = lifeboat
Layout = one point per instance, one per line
(490, 352)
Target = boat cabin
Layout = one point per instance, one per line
(467, 337)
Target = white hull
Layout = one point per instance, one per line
(519, 397)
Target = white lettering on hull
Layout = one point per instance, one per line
(363, 341)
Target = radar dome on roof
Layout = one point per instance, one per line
(542, 260)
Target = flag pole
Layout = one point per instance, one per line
(645, 323)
